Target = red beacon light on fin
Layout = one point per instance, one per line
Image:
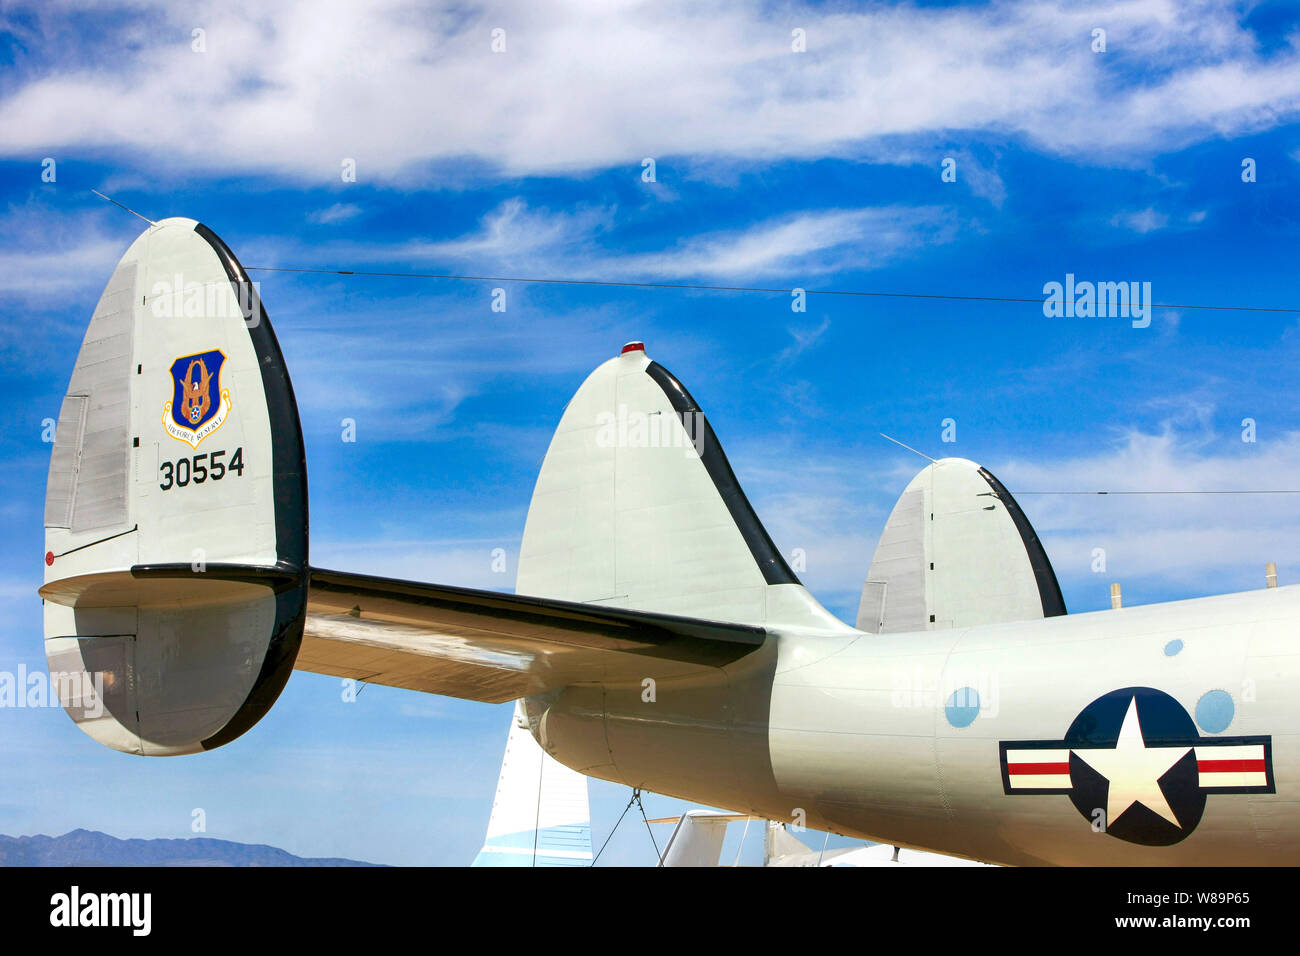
(633, 347)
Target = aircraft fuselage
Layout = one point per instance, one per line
(1163, 734)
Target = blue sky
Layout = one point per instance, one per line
(819, 170)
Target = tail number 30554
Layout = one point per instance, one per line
(182, 471)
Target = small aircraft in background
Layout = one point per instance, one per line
(541, 816)
(698, 836)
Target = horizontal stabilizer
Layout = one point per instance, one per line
(488, 646)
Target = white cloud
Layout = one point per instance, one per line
(52, 271)
(834, 504)
(1141, 221)
(47, 254)
(339, 212)
(805, 244)
(1194, 544)
(402, 369)
(804, 339)
(511, 233)
(515, 239)
(294, 89)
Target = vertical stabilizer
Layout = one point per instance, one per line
(957, 551)
(697, 837)
(176, 506)
(540, 816)
(637, 506)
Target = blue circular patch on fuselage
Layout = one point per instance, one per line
(1214, 711)
(1173, 647)
(963, 707)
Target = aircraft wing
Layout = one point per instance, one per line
(493, 647)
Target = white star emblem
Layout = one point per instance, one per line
(1134, 770)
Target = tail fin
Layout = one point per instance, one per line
(957, 551)
(779, 842)
(637, 506)
(540, 816)
(697, 838)
(176, 507)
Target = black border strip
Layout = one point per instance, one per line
(91, 544)
(1264, 740)
(1005, 745)
(647, 634)
(1049, 589)
(766, 556)
(278, 577)
(524, 608)
(289, 488)
(288, 456)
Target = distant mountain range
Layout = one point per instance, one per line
(92, 848)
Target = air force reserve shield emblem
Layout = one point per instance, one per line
(199, 405)
(1134, 764)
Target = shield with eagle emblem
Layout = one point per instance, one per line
(198, 404)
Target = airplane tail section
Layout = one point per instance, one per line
(176, 506)
(697, 837)
(957, 551)
(541, 815)
(637, 506)
(177, 592)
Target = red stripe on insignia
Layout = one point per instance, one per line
(1230, 766)
(1047, 768)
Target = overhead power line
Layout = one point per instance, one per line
(1230, 491)
(696, 287)
(1181, 491)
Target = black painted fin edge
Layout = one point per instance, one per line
(1049, 589)
(770, 562)
(289, 486)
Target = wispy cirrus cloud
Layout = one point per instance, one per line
(539, 242)
(338, 212)
(802, 244)
(1197, 543)
(47, 252)
(833, 508)
(1141, 221)
(804, 339)
(512, 233)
